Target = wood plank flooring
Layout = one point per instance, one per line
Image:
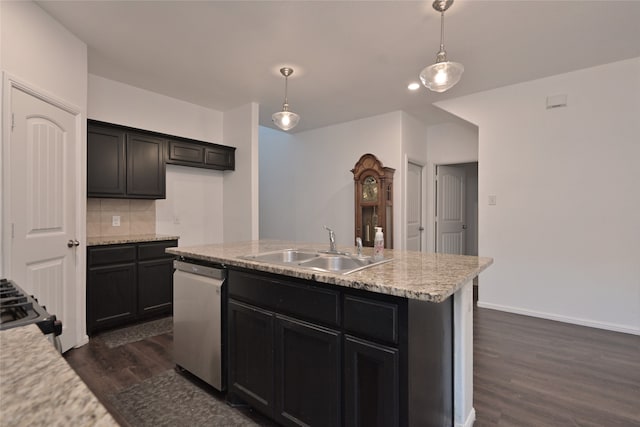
(527, 372)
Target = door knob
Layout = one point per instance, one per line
(72, 243)
(464, 226)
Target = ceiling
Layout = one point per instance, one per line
(351, 59)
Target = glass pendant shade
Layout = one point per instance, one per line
(285, 120)
(441, 76)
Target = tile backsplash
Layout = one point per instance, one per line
(136, 217)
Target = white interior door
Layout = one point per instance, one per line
(42, 206)
(414, 207)
(450, 210)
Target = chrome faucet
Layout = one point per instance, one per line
(359, 246)
(332, 240)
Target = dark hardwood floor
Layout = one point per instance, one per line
(527, 372)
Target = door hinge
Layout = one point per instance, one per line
(12, 231)
(13, 121)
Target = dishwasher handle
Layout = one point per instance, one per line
(200, 270)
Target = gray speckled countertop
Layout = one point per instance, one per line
(136, 238)
(39, 388)
(415, 275)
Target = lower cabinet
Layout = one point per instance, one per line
(111, 295)
(308, 374)
(251, 345)
(283, 367)
(128, 282)
(371, 380)
(310, 354)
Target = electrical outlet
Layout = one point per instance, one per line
(115, 221)
(492, 200)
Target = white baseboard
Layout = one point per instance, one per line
(470, 419)
(567, 319)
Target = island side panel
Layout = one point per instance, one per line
(430, 363)
(464, 414)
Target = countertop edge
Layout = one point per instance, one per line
(429, 287)
(120, 240)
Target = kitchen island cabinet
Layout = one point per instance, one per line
(406, 323)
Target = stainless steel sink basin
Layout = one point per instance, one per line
(287, 256)
(340, 263)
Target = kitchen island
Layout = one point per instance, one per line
(426, 298)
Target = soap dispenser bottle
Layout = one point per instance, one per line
(378, 245)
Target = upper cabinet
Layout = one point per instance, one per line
(130, 163)
(124, 164)
(201, 155)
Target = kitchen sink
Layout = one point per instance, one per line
(340, 263)
(286, 256)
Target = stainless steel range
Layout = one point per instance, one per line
(17, 308)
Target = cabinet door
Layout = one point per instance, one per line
(250, 337)
(145, 166)
(219, 158)
(155, 287)
(371, 376)
(111, 296)
(106, 164)
(184, 153)
(308, 374)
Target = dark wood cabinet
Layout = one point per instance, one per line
(308, 377)
(155, 278)
(371, 383)
(201, 155)
(251, 351)
(145, 166)
(111, 296)
(307, 353)
(124, 164)
(126, 283)
(106, 162)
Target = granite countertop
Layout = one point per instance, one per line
(136, 238)
(39, 388)
(415, 275)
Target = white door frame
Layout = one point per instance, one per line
(9, 82)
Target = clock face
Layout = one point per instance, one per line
(370, 189)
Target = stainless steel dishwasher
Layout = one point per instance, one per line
(197, 320)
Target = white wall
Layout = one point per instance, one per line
(315, 181)
(278, 153)
(192, 209)
(241, 195)
(40, 53)
(447, 143)
(564, 232)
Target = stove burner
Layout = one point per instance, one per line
(19, 309)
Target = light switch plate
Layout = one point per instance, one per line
(115, 221)
(492, 200)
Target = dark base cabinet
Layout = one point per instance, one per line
(307, 375)
(305, 353)
(112, 296)
(129, 282)
(371, 380)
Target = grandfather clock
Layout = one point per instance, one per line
(373, 199)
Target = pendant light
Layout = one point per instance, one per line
(442, 75)
(285, 119)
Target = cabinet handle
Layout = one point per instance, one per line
(72, 243)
